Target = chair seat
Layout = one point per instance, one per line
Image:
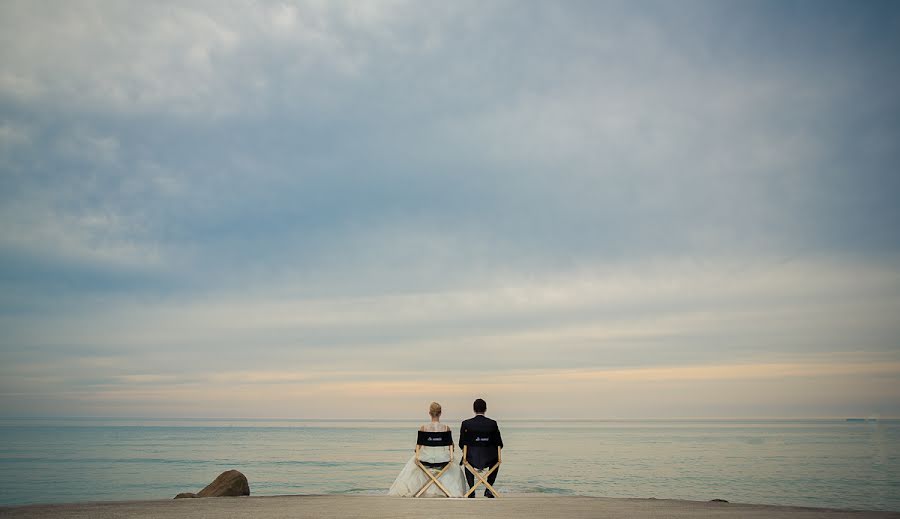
(434, 465)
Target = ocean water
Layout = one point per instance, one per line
(829, 463)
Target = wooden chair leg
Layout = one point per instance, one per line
(433, 479)
(430, 482)
(488, 485)
(481, 479)
(478, 481)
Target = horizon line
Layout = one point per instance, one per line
(402, 419)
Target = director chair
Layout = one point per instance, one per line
(480, 440)
(434, 471)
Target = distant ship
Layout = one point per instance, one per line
(863, 420)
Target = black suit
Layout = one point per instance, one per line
(478, 456)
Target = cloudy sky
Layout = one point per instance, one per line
(349, 209)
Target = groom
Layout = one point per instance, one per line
(478, 456)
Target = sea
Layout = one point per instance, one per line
(820, 463)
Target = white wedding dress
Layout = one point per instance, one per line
(411, 478)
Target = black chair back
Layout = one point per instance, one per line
(435, 439)
(479, 438)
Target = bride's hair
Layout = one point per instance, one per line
(435, 409)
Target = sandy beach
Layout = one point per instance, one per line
(339, 506)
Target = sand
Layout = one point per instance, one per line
(510, 507)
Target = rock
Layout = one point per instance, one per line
(229, 483)
(717, 501)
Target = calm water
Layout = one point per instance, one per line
(811, 462)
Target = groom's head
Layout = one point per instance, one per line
(480, 406)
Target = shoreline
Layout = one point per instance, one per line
(512, 506)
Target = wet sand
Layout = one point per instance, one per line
(510, 507)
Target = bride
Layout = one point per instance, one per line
(411, 478)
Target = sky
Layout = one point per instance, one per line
(335, 209)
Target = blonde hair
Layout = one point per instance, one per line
(434, 409)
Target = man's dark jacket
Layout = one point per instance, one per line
(480, 425)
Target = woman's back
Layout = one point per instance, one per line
(434, 427)
(434, 454)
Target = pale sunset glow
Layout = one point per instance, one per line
(351, 209)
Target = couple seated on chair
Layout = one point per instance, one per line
(431, 472)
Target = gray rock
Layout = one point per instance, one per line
(229, 483)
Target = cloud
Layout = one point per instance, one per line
(797, 326)
(12, 135)
(596, 186)
(707, 390)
